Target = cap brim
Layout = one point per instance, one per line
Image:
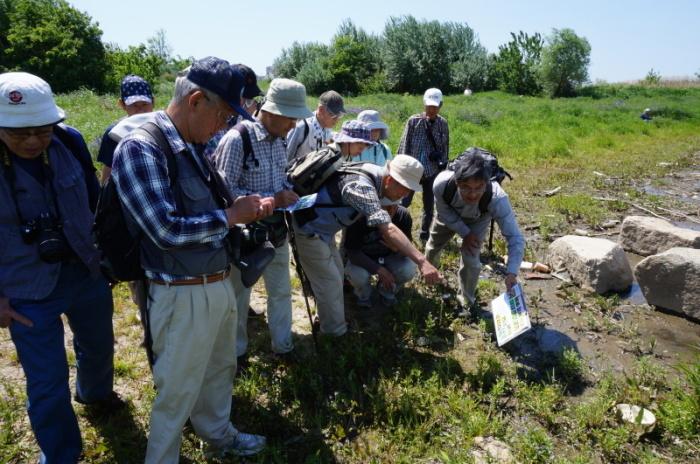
(137, 98)
(44, 116)
(239, 109)
(431, 102)
(288, 111)
(339, 137)
(253, 92)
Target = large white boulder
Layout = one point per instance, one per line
(647, 235)
(671, 280)
(595, 264)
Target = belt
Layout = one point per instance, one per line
(201, 280)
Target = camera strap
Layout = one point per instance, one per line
(11, 178)
(431, 137)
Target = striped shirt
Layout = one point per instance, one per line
(415, 141)
(140, 173)
(264, 172)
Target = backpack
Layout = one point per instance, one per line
(120, 247)
(498, 174)
(308, 173)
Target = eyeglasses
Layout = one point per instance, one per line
(20, 135)
(248, 103)
(468, 190)
(225, 118)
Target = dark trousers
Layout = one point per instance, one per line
(428, 205)
(87, 302)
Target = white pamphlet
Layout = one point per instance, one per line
(510, 316)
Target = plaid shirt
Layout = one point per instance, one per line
(415, 142)
(361, 195)
(264, 172)
(140, 172)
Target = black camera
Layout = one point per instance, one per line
(436, 156)
(47, 232)
(253, 235)
(250, 252)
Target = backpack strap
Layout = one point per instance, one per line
(247, 145)
(484, 201)
(154, 132)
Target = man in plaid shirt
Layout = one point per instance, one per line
(183, 223)
(263, 172)
(426, 137)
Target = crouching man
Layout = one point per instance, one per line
(466, 200)
(357, 194)
(368, 254)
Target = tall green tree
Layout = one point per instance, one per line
(422, 54)
(565, 61)
(139, 60)
(53, 40)
(291, 61)
(517, 63)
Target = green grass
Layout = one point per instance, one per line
(411, 391)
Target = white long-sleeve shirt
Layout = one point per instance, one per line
(462, 217)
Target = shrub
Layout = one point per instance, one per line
(565, 62)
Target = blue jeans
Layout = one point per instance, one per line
(87, 302)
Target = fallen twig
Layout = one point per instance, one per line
(549, 193)
(646, 210)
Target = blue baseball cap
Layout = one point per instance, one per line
(135, 89)
(219, 77)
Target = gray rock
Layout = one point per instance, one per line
(489, 449)
(671, 280)
(647, 235)
(595, 264)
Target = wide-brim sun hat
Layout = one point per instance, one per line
(354, 131)
(26, 100)
(407, 171)
(286, 97)
(372, 119)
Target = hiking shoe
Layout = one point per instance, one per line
(364, 303)
(243, 444)
(387, 302)
(104, 407)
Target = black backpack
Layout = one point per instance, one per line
(498, 174)
(119, 245)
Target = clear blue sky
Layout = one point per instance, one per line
(628, 38)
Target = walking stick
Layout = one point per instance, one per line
(305, 284)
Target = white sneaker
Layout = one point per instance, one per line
(243, 444)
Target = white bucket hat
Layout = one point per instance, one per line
(26, 101)
(407, 171)
(286, 97)
(372, 119)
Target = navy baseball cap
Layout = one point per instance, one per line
(219, 77)
(135, 89)
(251, 89)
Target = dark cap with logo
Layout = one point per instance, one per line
(219, 77)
